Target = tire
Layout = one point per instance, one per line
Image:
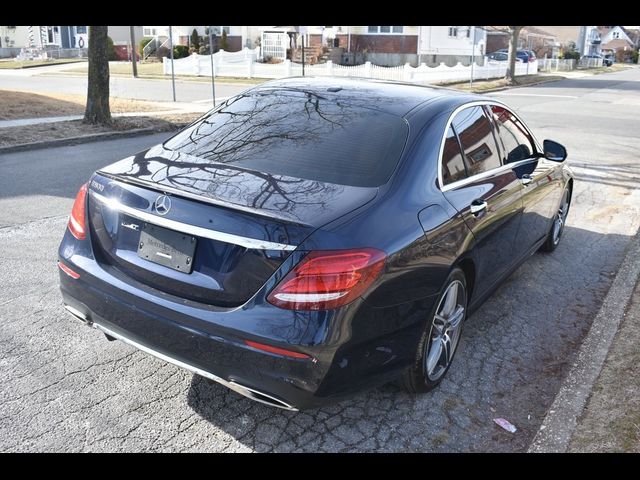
(557, 226)
(430, 368)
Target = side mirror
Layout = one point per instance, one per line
(554, 151)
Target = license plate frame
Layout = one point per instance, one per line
(167, 247)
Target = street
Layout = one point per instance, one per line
(64, 387)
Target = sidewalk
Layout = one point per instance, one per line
(597, 408)
(611, 420)
(183, 108)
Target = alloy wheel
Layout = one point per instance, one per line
(445, 330)
(561, 217)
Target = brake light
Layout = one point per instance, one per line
(77, 225)
(328, 279)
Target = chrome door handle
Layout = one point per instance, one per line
(526, 179)
(478, 206)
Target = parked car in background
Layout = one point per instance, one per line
(313, 237)
(521, 54)
(501, 57)
(606, 61)
(532, 55)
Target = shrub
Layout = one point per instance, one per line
(195, 39)
(571, 55)
(162, 52)
(192, 50)
(203, 50)
(180, 51)
(111, 50)
(143, 43)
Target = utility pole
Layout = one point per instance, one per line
(213, 82)
(134, 58)
(303, 55)
(173, 75)
(473, 52)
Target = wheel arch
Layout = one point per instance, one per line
(468, 267)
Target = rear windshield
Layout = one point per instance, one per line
(299, 133)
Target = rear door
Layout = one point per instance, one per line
(486, 193)
(540, 190)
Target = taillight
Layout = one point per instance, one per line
(77, 224)
(328, 279)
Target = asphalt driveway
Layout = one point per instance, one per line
(63, 387)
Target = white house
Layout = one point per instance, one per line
(447, 43)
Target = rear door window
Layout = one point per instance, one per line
(453, 168)
(481, 153)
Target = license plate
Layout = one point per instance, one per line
(167, 247)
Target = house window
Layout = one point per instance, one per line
(217, 30)
(453, 31)
(149, 32)
(81, 30)
(616, 34)
(52, 32)
(469, 32)
(385, 29)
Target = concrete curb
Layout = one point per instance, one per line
(560, 423)
(95, 137)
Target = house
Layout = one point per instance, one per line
(451, 44)
(56, 37)
(589, 41)
(238, 37)
(541, 41)
(379, 44)
(616, 41)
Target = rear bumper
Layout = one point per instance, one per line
(351, 349)
(263, 377)
(241, 389)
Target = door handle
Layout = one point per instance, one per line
(478, 206)
(526, 179)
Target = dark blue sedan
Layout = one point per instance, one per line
(311, 238)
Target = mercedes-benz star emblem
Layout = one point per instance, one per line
(162, 205)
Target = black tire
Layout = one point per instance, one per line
(418, 379)
(553, 239)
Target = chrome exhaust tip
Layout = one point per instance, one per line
(259, 396)
(77, 314)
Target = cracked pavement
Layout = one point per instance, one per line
(64, 387)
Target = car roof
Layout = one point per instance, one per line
(397, 98)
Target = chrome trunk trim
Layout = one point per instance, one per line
(246, 242)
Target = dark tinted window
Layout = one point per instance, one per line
(517, 142)
(452, 164)
(299, 133)
(474, 130)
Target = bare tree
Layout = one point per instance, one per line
(97, 110)
(513, 49)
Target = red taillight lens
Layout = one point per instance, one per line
(68, 271)
(328, 279)
(77, 224)
(276, 350)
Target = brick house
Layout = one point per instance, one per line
(540, 41)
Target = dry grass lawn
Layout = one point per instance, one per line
(75, 128)
(480, 86)
(16, 105)
(12, 64)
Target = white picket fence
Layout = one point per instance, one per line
(556, 65)
(243, 64)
